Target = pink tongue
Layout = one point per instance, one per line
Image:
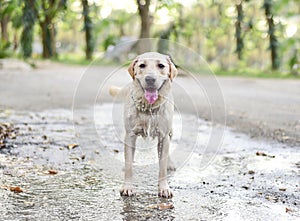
(151, 96)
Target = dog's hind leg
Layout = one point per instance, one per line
(171, 165)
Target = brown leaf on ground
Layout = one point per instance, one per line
(282, 189)
(261, 154)
(72, 146)
(271, 198)
(52, 172)
(287, 210)
(15, 189)
(264, 154)
(164, 206)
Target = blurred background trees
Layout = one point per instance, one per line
(230, 35)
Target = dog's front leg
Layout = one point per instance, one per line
(127, 189)
(163, 155)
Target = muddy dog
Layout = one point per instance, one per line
(148, 111)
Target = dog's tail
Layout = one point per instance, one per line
(114, 91)
(120, 94)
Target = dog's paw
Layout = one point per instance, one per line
(126, 191)
(165, 192)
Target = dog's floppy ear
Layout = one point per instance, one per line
(173, 70)
(131, 67)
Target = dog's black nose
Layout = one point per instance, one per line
(150, 80)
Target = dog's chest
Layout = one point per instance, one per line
(147, 125)
(149, 121)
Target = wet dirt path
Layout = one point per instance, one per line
(246, 180)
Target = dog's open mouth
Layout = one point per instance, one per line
(151, 95)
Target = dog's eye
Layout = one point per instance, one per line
(142, 65)
(161, 66)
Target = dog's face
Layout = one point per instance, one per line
(152, 71)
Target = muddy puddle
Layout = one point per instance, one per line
(68, 171)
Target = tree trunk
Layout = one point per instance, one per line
(4, 32)
(28, 18)
(273, 39)
(122, 32)
(143, 8)
(238, 30)
(48, 28)
(48, 37)
(163, 42)
(15, 41)
(88, 26)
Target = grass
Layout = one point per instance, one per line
(79, 59)
(253, 73)
(74, 59)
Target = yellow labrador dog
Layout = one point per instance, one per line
(149, 111)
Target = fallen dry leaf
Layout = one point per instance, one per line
(52, 172)
(72, 146)
(282, 189)
(75, 158)
(264, 154)
(261, 154)
(15, 189)
(272, 198)
(164, 206)
(288, 210)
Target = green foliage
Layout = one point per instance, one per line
(254, 73)
(80, 59)
(4, 50)
(109, 40)
(46, 12)
(14, 11)
(214, 29)
(164, 37)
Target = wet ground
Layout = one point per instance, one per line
(46, 176)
